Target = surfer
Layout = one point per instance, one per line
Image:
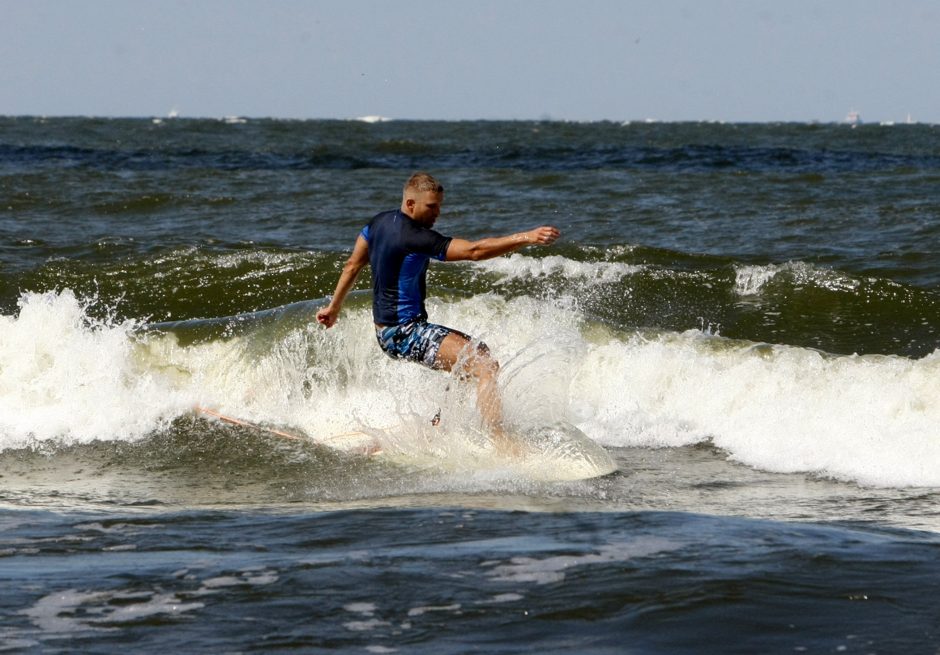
(398, 245)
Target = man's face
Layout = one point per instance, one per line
(425, 207)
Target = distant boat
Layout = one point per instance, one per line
(373, 119)
(853, 118)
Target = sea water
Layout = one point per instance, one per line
(746, 317)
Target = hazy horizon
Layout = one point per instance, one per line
(731, 61)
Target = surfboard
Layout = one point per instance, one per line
(354, 442)
(557, 453)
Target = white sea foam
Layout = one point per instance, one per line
(751, 280)
(874, 420)
(554, 568)
(64, 376)
(424, 609)
(516, 267)
(71, 611)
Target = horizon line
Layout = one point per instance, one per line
(377, 119)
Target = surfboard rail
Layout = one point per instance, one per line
(345, 441)
(556, 453)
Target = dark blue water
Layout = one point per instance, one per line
(465, 580)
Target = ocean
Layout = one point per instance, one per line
(745, 317)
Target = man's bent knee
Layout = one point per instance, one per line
(475, 360)
(482, 363)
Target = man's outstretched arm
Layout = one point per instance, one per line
(356, 262)
(461, 249)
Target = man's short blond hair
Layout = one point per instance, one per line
(422, 182)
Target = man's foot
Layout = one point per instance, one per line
(507, 446)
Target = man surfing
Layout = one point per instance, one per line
(398, 245)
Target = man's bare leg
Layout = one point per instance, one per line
(457, 353)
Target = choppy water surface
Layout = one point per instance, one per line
(745, 316)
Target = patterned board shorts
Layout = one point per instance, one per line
(416, 341)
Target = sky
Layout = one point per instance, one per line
(579, 60)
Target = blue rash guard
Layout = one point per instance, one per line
(399, 252)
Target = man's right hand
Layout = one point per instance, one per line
(327, 317)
